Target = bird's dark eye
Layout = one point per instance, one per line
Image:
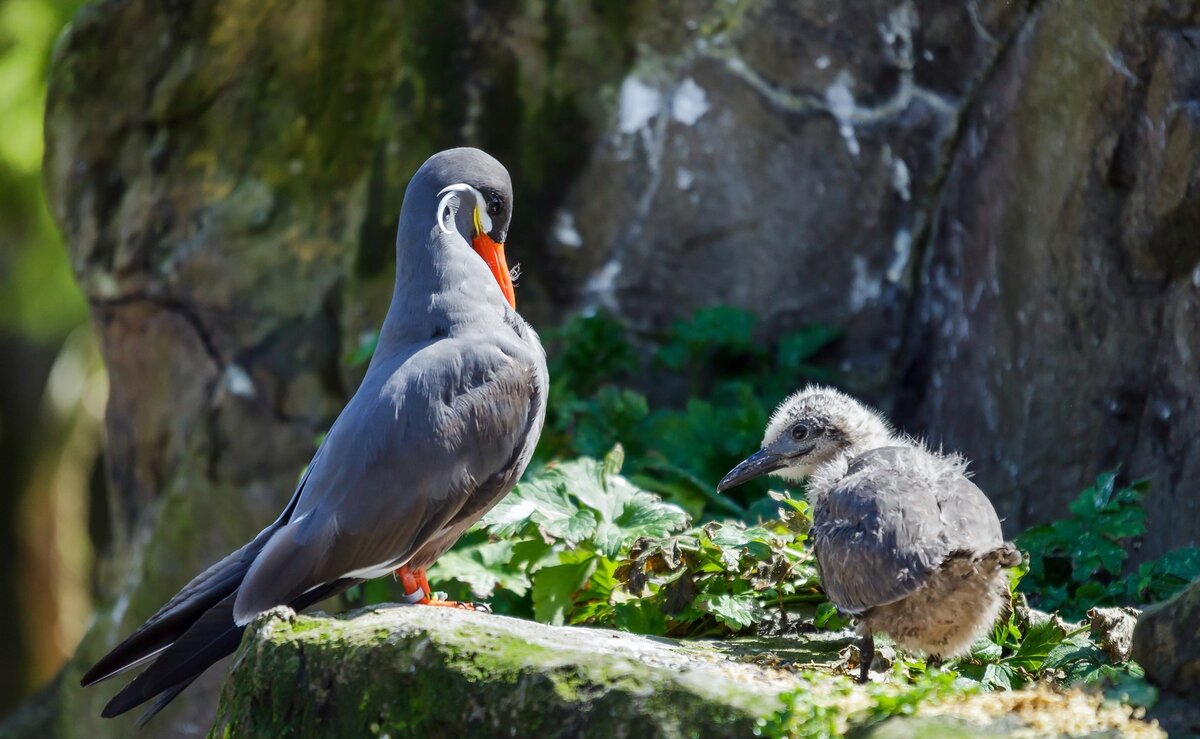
(800, 432)
(494, 205)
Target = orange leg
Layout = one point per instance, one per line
(418, 592)
(416, 587)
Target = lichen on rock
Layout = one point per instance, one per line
(396, 671)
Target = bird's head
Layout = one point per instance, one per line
(810, 428)
(470, 192)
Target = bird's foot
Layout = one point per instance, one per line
(415, 584)
(480, 607)
(866, 655)
(417, 592)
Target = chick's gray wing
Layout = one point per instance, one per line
(877, 532)
(412, 451)
(971, 523)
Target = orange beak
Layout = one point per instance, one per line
(493, 255)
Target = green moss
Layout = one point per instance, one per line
(435, 672)
(467, 678)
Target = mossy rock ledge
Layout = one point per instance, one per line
(406, 671)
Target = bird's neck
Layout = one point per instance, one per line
(442, 286)
(827, 474)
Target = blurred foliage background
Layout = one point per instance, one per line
(52, 385)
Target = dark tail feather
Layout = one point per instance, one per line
(164, 698)
(173, 619)
(212, 636)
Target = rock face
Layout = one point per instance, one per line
(1057, 305)
(443, 672)
(401, 671)
(997, 200)
(1166, 643)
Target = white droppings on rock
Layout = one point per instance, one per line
(901, 179)
(976, 296)
(237, 382)
(1117, 62)
(689, 102)
(601, 286)
(684, 178)
(1196, 276)
(120, 607)
(840, 100)
(822, 62)
(1163, 410)
(565, 232)
(863, 287)
(639, 104)
(1113, 57)
(901, 254)
(897, 34)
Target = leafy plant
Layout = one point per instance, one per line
(697, 429)
(578, 543)
(1029, 646)
(1077, 562)
(829, 707)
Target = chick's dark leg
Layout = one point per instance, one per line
(866, 654)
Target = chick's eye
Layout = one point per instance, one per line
(494, 205)
(799, 431)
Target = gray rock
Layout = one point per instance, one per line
(402, 671)
(1056, 306)
(1166, 643)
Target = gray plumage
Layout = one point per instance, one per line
(442, 426)
(905, 542)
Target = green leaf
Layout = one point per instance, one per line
(1181, 563)
(364, 350)
(1074, 650)
(1036, 646)
(986, 650)
(1124, 523)
(609, 539)
(545, 501)
(554, 587)
(828, 618)
(735, 611)
(1132, 690)
(613, 461)
(998, 675)
(623, 511)
(482, 567)
(640, 617)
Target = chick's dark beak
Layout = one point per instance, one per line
(756, 465)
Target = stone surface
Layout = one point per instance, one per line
(1057, 304)
(1166, 643)
(995, 200)
(400, 671)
